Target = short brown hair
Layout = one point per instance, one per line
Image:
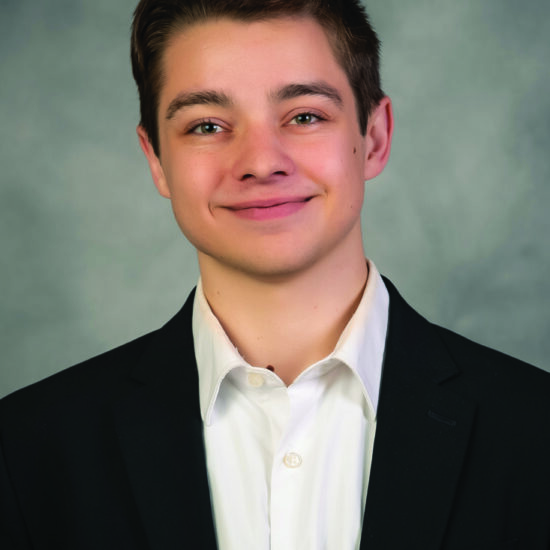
(354, 42)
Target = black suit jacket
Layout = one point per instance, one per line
(109, 454)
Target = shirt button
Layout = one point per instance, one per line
(292, 460)
(255, 379)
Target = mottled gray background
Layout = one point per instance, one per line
(91, 256)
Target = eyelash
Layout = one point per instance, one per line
(193, 129)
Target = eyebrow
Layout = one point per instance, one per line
(289, 91)
(204, 97)
(317, 88)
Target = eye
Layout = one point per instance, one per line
(206, 127)
(306, 119)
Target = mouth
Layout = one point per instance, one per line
(263, 209)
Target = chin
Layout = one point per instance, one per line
(273, 267)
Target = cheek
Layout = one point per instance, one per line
(191, 179)
(189, 197)
(338, 170)
(347, 185)
(319, 163)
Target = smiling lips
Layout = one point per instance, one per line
(268, 209)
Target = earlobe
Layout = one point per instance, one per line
(154, 163)
(378, 138)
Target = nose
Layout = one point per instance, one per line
(261, 156)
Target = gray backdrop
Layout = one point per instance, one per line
(91, 256)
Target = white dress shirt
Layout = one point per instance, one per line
(288, 467)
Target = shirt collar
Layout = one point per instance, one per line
(360, 346)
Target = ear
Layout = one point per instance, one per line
(378, 138)
(154, 163)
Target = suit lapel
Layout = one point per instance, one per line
(161, 439)
(422, 435)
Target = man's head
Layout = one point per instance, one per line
(254, 130)
(261, 151)
(156, 22)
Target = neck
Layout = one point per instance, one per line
(287, 322)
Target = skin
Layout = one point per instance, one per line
(263, 161)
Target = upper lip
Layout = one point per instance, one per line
(267, 203)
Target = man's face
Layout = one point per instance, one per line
(260, 148)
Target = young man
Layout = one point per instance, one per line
(295, 401)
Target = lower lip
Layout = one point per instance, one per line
(270, 212)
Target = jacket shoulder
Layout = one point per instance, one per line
(85, 389)
(473, 355)
(471, 358)
(490, 378)
(494, 378)
(99, 376)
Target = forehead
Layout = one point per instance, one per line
(248, 54)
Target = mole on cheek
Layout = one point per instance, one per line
(354, 150)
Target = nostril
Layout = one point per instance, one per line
(252, 176)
